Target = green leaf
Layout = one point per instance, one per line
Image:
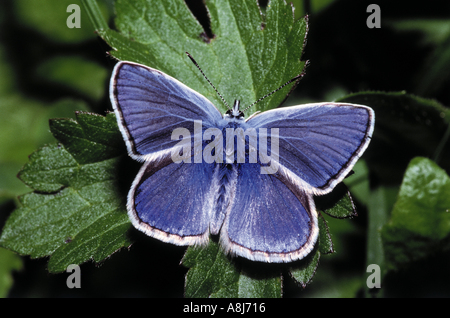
(249, 56)
(420, 221)
(325, 244)
(91, 138)
(95, 14)
(24, 127)
(304, 273)
(212, 274)
(304, 270)
(77, 212)
(338, 203)
(8, 262)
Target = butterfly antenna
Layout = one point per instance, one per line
(299, 76)
(196, 64)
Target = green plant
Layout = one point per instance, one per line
(76, 211)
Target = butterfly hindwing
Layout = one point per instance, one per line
(171, 201)
(319, 143)
(269, 218)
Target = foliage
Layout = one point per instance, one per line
(76, 211)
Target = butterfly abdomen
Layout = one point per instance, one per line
(226, 180)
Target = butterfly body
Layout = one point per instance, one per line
(250, 181)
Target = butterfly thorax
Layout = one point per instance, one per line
(234, 113)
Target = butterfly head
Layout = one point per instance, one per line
(235, 112)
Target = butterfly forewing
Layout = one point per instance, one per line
(319, 143)
(150, 105)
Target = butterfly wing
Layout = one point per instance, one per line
(318, 143)
(272, 217)
(150, 105)
(171, 201)
(269, 219)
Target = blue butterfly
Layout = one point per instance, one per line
(211, 181)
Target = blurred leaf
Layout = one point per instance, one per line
(77, 213)
(49, 17)
(317, 5)
(435, 72)
(420, 221)
(9, 262)
(313, 6)
(379, 206)
(358, 182)
(406, 126)
(95, 14)
(250, 55)
(74, 72)
(433, 31)
(342, 286)
(8, 78)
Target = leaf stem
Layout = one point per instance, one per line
(95, 15)
(378, 214)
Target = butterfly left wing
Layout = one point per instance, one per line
(269, 218)
(169, 201)
(318, 143)
(150, 105)
(172, 201)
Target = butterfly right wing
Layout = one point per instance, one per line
(272, 216)
(150, 105)
(318, 143)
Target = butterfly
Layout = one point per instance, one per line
(249, 181)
